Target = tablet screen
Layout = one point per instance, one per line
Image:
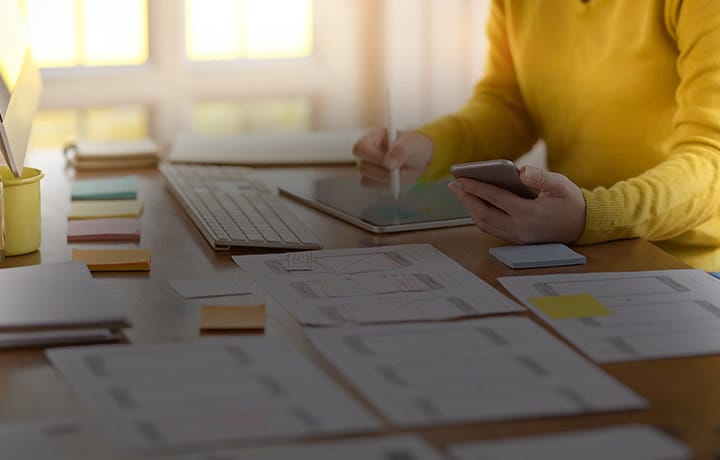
(421, 203)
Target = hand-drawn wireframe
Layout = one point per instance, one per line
(655, 314)
(374, 285)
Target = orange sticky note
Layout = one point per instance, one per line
(232, 317)
(571, 306)
(105, 209)
(104, 260)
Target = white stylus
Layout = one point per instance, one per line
(392, 137)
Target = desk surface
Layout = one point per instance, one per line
(684, 393)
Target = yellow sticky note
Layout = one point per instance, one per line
(105, 209)
(232, 317)
(103, 260)
(571, 306)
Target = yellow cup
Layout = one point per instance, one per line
(22, 210)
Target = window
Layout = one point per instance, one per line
(232, 29)
(67, 33)
(209, 66)
(131, 68)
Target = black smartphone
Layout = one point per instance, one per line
(501, 173)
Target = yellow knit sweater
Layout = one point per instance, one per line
(626, 96)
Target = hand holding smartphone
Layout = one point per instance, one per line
(500, 173)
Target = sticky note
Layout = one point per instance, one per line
(103, 230)
(537, 255)
(103, 260)
(570, 306)
(105, 209)
(109, 188)
(192, 289)
(232, 317)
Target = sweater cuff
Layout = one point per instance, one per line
(602, 218)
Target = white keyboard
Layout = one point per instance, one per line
(232, 209)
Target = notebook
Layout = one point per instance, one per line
(135, 154)
(55, 296)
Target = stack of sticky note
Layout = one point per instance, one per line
(107, 209)
(112, 197)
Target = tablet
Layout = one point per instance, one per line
(420, 206)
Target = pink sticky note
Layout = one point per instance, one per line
(103, 230)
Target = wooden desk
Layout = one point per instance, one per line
(684, 394)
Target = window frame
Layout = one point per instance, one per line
(168, 83)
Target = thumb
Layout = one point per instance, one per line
(542, 180)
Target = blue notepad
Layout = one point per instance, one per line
(537, 255)
(110, 188)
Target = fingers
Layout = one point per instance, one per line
(549, 182)
(498, 197)
(373, 172)
(397, 155)
(372, 147)
(484, 214)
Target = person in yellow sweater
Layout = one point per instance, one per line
(625, 95)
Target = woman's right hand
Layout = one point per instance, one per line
(410, 152)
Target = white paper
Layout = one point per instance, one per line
(225, 390)
(469, 371)
(60, 337)
(655, 314)
(400, 447)
(59, 294)
(374, 285)
(28, 441)
(57, 439)
(626, 442)
(217, 287)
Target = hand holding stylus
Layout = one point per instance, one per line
(377, 157)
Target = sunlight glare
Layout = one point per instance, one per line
(53, 32)
(278, 28)
(211, 29)
(115, 32)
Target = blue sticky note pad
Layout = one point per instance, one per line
(537, 255)
(110, 188)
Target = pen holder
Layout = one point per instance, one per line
(21, 203)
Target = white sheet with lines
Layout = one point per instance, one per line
(475, 370)
(623, 442)
(212, 391)
(51, 439)
(655, 314)
(373, 285)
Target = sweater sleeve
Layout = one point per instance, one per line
(494, 123)
(684, 190)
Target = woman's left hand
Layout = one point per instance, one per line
(557, 215)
